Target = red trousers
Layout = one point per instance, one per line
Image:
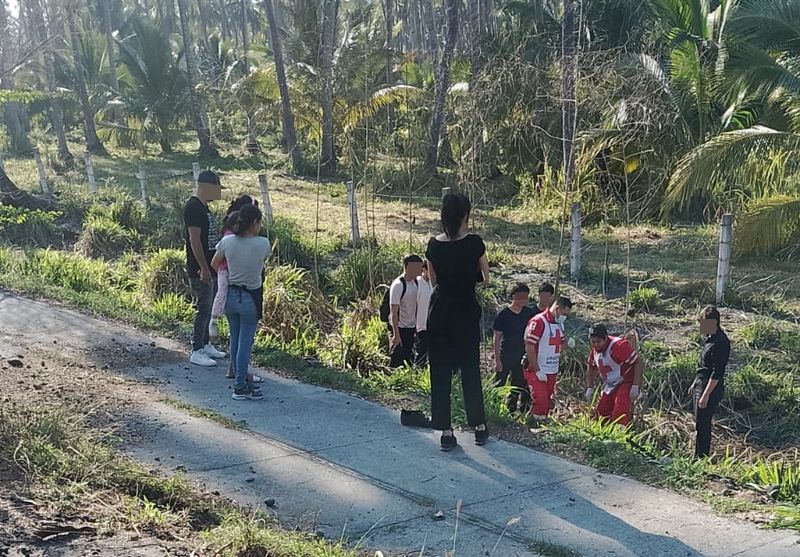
(542, 393)
(616, 406)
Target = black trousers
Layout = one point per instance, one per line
(450, 349)
(519, 399)
(403, 352)
(421, 348)
(704, 417)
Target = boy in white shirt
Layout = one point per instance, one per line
(403, 312)
(424, 290)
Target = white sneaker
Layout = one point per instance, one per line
(212, 352)
(213, 330)
(200, 358)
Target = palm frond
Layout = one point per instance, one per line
(780, 17)
(380, 99)
(736, 159)
(768, 224)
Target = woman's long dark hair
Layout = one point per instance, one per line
(245, 217)
(455, 207)
(234, 207)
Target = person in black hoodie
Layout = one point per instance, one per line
(709, 385)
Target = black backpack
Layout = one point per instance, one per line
(385, 310)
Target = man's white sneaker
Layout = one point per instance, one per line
(200, 358)
(212, 352)
(213, 330)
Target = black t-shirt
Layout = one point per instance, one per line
(457, 267)
(714, 356)
(512, 325)
(196, 213)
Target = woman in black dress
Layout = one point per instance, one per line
(456, 263)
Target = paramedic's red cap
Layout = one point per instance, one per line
(209, 177)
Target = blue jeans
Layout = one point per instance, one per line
(203, 297)
(240, 309)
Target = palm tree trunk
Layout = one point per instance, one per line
(93, 144)
(10, 194)
(252, 138)
(328, 154)
(569, 40)
(475, 38)
(442, 76)
(429, 18)
(111, 51)
(36, 11)
(199, 115)
(14, 116)
(289, 133)
(167, 15)
(202, 10)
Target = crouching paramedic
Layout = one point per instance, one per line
(620, 369)
(544, 338)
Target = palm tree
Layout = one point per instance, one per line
(289, 133)
(569, 43)
(14, 115)
(327, 151)
(35, 11)
(199, 115)
(93, 143)
(442, 75)
(105, 22)
(754, 169)
(153, 87)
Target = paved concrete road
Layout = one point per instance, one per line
(345, 467)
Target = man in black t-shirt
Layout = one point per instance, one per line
(509, 347)
(200, 236)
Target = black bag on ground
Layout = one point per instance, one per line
(414, 418)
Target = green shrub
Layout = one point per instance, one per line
(67, 270)
(103, 237)
(129, 214)
(361, 345)
(761, 334)
(164, 272)
(668, 376)
(27, 227)
(296, 312)
(291, 245)
(365, 269)
(644, 298)
(753, 385)
(173, 308)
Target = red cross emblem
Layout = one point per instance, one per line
(555, 340)
(605, 370)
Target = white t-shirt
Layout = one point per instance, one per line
(408, 304)
(245, 257)
(424, 289)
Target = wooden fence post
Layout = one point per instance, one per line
(143, 185)
(575, 248)
(196, 170)
(42, 177)
(724, 263)
(355, 235)
(445, 191)
(265, 201)
(87, 159)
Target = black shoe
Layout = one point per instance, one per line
(246, 393)
(448, 442)
(481, 435)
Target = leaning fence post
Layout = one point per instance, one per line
(42, 177)
(445, 191)
(575, 249)
(87, 159)
(196, 170)
(265, 201)
(143, 185)
(724, 264)
(351, 203)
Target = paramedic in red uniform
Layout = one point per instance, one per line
(544, 339)
(620, 369)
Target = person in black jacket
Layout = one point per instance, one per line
(709, 385)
